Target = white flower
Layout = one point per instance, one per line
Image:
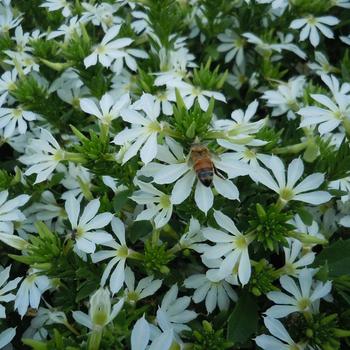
(5, 288)
(101, 311)
(193, 238)
(30, 291)
(67, 30)
(7, 82)
(322, 65)
(7, 20)
(333, 112)
(172, 313)
(144, 132)
(43, 154)
(109, 109)
(312, 230)
(285, 98)
(108, 50)
(233, 45)
(129, 60)
(345, 39)
(343, 185)
(191, 93)
(87, 229)
(159, 205)
(101, 14)
(239, 129)
(146, 287)
(54, 5)
(294, 261)
(44, 317)
(9, 211)
(215, 293)
(77, 180)
(230, 244)
(301, 298)
(15, 118)
(179, 169)
(280, 340)
(288, 190)
(119, 254)
(6, 336)
(311, 25)
(142, 333)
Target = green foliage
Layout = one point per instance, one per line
(243, 321)
(57, 342)
(45, 48)
(207, 79)
(311, 6)
(208, 338)
(270, 226)
(335, 163)
(44, 250)
(166, 18)
(193, 123)
(156, 258)
(263, 276)
(337, 258)
(34, 97)
(5, 180)
(78, 47)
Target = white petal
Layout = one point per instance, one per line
(140, 335)
(204, 197)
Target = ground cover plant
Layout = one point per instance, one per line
(175, 174)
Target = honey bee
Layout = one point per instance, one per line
(203, 164)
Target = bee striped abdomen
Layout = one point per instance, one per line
(205, 171)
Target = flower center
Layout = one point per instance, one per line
(165, 201)
(101, 49)
(196, 91)
(239, 43)
(133, 297)
(59, 155)
(249, 154)
(241, 242)
(311, 20)
(338, 115)
(123, 252)
(286, 194)
(303, 304)
(153, 127)
(17, 113)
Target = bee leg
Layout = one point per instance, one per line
(219, 173)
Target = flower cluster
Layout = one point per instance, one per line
(174, 174)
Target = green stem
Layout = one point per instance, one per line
(308, 239)
(294, 149)
(95, 340)
(176, 248)
(71, 328)
(136, 256)
(280, 204)
(74, 157)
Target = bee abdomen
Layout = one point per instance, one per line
(205, 176)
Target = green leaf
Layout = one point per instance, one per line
(243, 321)
(120, 200)
(305, 216)
(139, 229)
(337, 258)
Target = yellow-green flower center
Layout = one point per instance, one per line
(241, 242)
(286, 194)
(304, 304)
(123, 252)
(154, 127)
(165, 201)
